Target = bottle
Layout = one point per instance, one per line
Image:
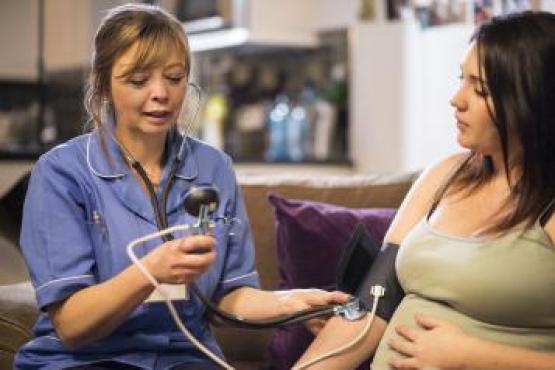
(300, 126)
(277, 130)
(296, 133)
(215, 114)
(324, 126)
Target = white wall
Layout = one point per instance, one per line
(548, 5)
(401, 80)
(377, 108)
(332, 15)
(19, 40)
(288, 22)
(69, 26)
(69, 31)
(432, 70)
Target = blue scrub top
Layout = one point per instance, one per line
(83, 207)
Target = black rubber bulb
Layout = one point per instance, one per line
(201, 195)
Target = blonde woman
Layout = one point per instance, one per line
(89, 198)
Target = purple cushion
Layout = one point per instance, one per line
(311, 237)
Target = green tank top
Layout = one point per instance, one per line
(500, 289)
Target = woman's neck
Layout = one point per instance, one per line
(502, 173)
(148, 150)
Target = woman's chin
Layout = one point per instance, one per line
(463, 142)
(158, 128)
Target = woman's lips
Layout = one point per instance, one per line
(461, 125)
(157, 117)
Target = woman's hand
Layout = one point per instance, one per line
(181, 261)
(440, 346)
(292, 301)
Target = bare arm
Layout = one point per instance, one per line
(256, 304)
(95, 312)
(338, 331)
(335, 334)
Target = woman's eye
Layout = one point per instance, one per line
(137, 82)
(481, 93)
(481, 90)
(175, 79)
(137, 79)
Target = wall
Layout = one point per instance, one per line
(69, 27)
(18, 40)
(376, 87)
(288, 22)
(429, 128)
(401, 80)
(548, 5)
(331, 15)
(69, 30)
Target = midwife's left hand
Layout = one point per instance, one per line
(440, 346)
(292, 301)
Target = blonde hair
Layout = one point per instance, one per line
(154, 30)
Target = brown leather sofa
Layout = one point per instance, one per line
(245, 349)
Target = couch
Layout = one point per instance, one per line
(245, 349)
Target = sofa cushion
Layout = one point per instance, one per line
(12, 265)
(361, 191)
(311, 237)
(18, 313)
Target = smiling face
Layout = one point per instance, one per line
(147, 101)
(476, 129)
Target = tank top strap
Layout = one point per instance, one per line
(445, 185)
(547, 212)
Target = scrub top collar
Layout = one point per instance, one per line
(127, 190)
(114, 166)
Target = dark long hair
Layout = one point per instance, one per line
(517, 54)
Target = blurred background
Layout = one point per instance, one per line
(343, 86)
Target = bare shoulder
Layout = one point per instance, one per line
(419, 199)
(550, 228)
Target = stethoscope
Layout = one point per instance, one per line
(201, 202)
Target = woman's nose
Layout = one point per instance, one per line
(159, 90)
(457, 100)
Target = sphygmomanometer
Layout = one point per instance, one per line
(366, 271)
(366, 264)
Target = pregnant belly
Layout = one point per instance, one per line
(539, 339)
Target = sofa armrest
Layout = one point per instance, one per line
(18, 313)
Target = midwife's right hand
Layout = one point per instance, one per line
(181, 261)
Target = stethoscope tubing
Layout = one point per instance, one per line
(160, 214)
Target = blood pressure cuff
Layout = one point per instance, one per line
(365, 264)
(382, 272)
